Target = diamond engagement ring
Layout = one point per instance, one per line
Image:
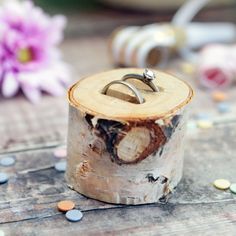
(147, 78)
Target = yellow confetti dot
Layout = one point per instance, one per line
(187, 68)
(222, 184)
(205, 124)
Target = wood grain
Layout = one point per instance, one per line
(28, 201)
(25, 126)
(139, 221)
(174, 94)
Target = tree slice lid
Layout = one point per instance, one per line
(118, 104)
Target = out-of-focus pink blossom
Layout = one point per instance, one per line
(30, 60)
(217, 66)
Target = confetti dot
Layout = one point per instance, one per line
(219, 96)
(187, 68)
(2, 233)
(205, 124)
(7, 161)
(74, 215)
(3, 178)
(202, 116)
(222, 184)
(233, 188)
(191, 127)
(60, 153)
(60, 166)
(65, 205)
(223, 107)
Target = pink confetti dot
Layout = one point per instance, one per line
(60, 153)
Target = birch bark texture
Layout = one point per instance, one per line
(123, 152)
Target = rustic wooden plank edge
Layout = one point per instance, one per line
(165, 207)
(210, 219)
(34, 147)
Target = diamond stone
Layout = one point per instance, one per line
(148, 74)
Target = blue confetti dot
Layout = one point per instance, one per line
(3, 178)
(74, 215)
(202, 116)
(60, 166)
(223, 107)
(7, 161)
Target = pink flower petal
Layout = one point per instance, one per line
(54, 88)
(63, 72)
(33, 94)
(28, 44)
(55, 31)
(1, 73)
(49, 82)
(10, 85)
(31, 79)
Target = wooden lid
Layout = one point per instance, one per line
(118, 104)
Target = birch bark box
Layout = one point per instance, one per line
(123, 152)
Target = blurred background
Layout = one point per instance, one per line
(102, 16)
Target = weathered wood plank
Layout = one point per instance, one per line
(26, 126)
(172, 219)
(35, 187)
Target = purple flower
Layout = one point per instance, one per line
(30, 60)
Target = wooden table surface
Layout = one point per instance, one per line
(31, 132)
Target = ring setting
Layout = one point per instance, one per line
(147, 77)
